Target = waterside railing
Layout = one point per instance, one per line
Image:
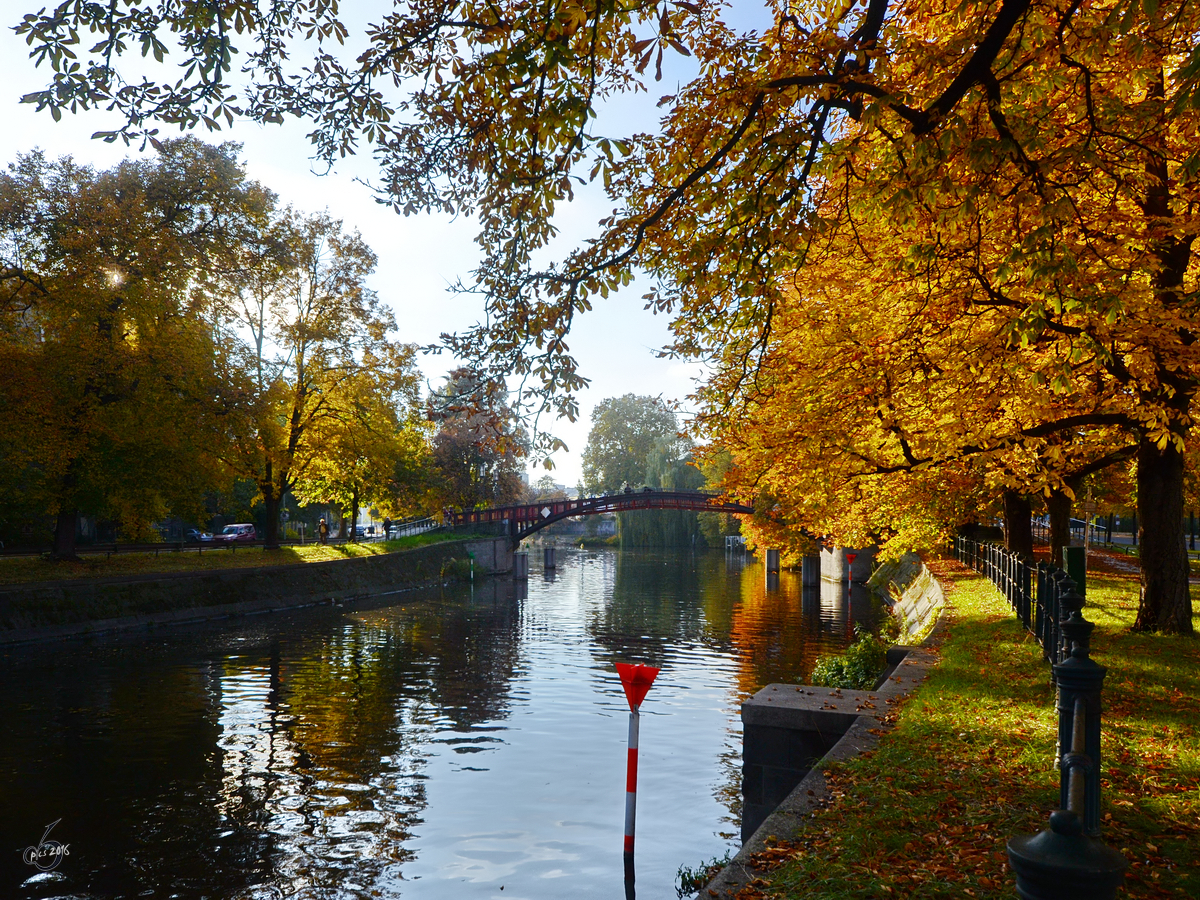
(1065, 860)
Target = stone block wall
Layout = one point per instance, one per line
(63, 608)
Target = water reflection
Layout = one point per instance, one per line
(428, 745)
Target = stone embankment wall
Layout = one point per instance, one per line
(791, 731)
(916, 597)
(41, 611)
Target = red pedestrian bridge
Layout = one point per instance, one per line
(528, 518)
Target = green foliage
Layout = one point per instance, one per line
(858, 668)
(630, 434)
(634, 442)
(690, 880)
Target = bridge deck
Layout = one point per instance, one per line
(527, 518)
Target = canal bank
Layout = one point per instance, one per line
(794, 734)
(968, 764)
(51, 610)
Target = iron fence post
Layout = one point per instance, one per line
(1066, 861)
(1043, 607)
(1080, 683)
(1022, 591)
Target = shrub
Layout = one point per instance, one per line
(858, 668)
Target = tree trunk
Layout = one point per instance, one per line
(64, 534)
(271, 535)
(354, 515)
(1018, 528)
(1058, 504)
(1165, 603)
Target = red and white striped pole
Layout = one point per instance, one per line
(636, 681)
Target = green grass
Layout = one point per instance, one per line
(21, 570)
(969, 765)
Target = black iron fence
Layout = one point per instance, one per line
(1066, 860)
(1040, 594)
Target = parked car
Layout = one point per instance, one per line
(240, 532)
(194, 535)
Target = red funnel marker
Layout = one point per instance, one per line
(636, 681)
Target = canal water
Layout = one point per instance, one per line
(467, 742)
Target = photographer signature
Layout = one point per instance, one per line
(47, 854)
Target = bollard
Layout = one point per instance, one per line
(1062, 863)
(520, 566)
(1066, 861)
(548, 558)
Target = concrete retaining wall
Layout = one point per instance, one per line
(787, 729)
(46, 610)
(915, 595)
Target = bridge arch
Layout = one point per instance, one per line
(526, 519)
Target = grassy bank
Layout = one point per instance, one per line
(23, 570)
(969, 764)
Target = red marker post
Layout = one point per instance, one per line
(636, 681)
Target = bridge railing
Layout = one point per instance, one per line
(415, 525)
(528, 514)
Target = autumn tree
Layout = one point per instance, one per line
(106, 365)
(479, 447)
(299, 327)
(1042, 151)
(371, 430)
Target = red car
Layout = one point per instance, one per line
(232, 533)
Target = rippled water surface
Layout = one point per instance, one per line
(459, 743)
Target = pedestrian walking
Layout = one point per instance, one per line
(323, 529)
(387, 528)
